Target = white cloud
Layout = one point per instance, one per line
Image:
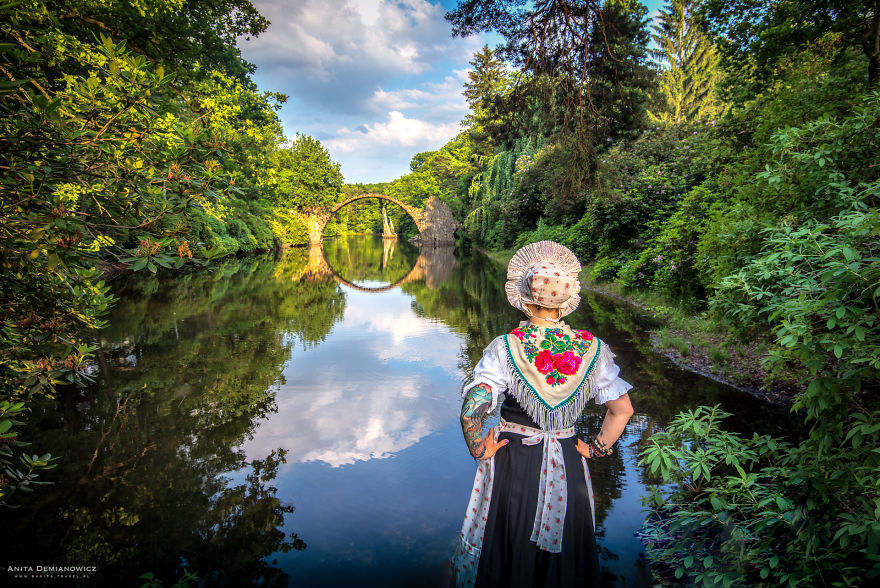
(397, 130)
(376, 81)
(382, 381)
(340, 418)
(336, 53)
(434, 101)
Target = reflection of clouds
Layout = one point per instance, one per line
(396, 321)
(398, 324)
(412, 338)
(383, 380)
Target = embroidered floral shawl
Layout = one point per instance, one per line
(551, 372)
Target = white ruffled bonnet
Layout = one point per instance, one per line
(544, 273)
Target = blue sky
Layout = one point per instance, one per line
(376, 81)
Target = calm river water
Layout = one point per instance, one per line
(295, 422)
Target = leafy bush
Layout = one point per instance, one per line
(260, 231)
(759, 512)
(815, 283)
(643, 181)
(808, 275)
(724, 521)
(605, 269)
(669, 264)
(544, 231)
(290, 228)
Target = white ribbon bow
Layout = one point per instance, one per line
(552, 487)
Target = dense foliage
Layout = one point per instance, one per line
(131, 138)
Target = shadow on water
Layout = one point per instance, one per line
(268, 422)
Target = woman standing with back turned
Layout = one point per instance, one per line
(530, 519)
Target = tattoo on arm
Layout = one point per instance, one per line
(473, 412)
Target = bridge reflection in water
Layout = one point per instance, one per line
(434, 265)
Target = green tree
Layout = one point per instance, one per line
(755, 36)
(487, 81)
(307, 179)
(175, 33)
(593, 57)
(691, 72)
(584, 81)
(116, 121)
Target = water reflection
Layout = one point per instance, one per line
(153, 478)
(226, 398)
(367, 393)
(355, 262)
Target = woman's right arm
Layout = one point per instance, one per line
(474, 409)
(479, 401)
(619, 412)
(477, 404)
(613, 393)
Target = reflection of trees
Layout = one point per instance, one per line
(471, 301)
(187, 369)
(608, 473)
(309, 303)
(367, 258)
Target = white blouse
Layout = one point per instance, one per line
(489, 371)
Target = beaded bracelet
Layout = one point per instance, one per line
(598, 448)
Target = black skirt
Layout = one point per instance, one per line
(508, 557)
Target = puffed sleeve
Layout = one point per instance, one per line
(490, 370)
(611, 387)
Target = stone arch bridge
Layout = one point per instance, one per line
(435, 222)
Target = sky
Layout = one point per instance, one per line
(376, 81)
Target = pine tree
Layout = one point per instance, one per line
(486, 81)
(687, 84)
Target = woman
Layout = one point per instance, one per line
(530, 519)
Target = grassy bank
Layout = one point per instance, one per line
(693, 341)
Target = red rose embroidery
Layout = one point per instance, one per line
(566, 363)
(519, 334)
(550, 380)
(586, 335)
(544, 361)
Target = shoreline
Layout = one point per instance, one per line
(697, 352)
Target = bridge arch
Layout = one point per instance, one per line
(434, 265)
(317, 222)
(435, 222)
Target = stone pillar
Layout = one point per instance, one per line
(438, 225)
(387, 227)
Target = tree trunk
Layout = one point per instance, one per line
(871, 46)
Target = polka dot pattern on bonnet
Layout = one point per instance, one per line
(551, 285)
